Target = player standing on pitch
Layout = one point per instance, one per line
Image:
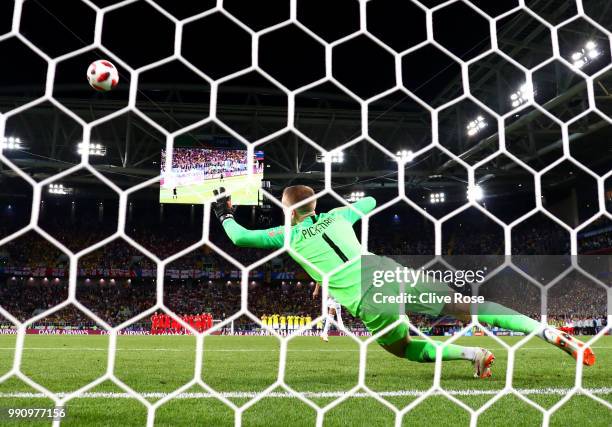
(333, 310)
(327, 241)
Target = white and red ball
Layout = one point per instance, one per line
(102, 75)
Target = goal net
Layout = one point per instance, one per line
(514, 104)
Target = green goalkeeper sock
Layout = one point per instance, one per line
(503, 317)
(423, 351)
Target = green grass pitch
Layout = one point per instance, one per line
(244, 191)
(240, 367)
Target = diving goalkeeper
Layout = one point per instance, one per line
(327, 241)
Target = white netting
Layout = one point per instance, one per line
(291, 95)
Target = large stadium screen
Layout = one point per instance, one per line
(196, 172)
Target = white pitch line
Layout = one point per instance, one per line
(309, 394)
(245, 350)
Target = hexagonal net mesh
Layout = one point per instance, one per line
(494, 114)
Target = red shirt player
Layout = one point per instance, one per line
(154, 323)
(187, 319)
(197, 320)
(204, 321)
(166, 323)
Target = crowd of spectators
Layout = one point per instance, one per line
(597, 237)
(594, 243)
(117, 299)
(539, 235)
(208, 161)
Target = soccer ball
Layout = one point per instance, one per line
(102, 75)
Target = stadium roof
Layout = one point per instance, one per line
(174, 96)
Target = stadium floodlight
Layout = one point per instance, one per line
(337, 157)
(405, 155)
(355, 196)
(94, 149)
(11, 143)
(334, 156)
(475, 193)
(521, 96)
(59, 189)
(586, 55)
(476, 126)
(435, 198)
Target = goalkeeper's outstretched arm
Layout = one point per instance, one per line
(359, 208)
(273, 238)
(270, 238)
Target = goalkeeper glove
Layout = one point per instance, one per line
(223, 206)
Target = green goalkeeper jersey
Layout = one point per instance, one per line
(321, 244)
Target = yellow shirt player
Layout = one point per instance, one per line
(275, 321)
(302, 321)
(282, 322)
(289, 322)
(264, 319)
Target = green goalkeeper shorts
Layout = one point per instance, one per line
(377, 322)
(382, 306)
